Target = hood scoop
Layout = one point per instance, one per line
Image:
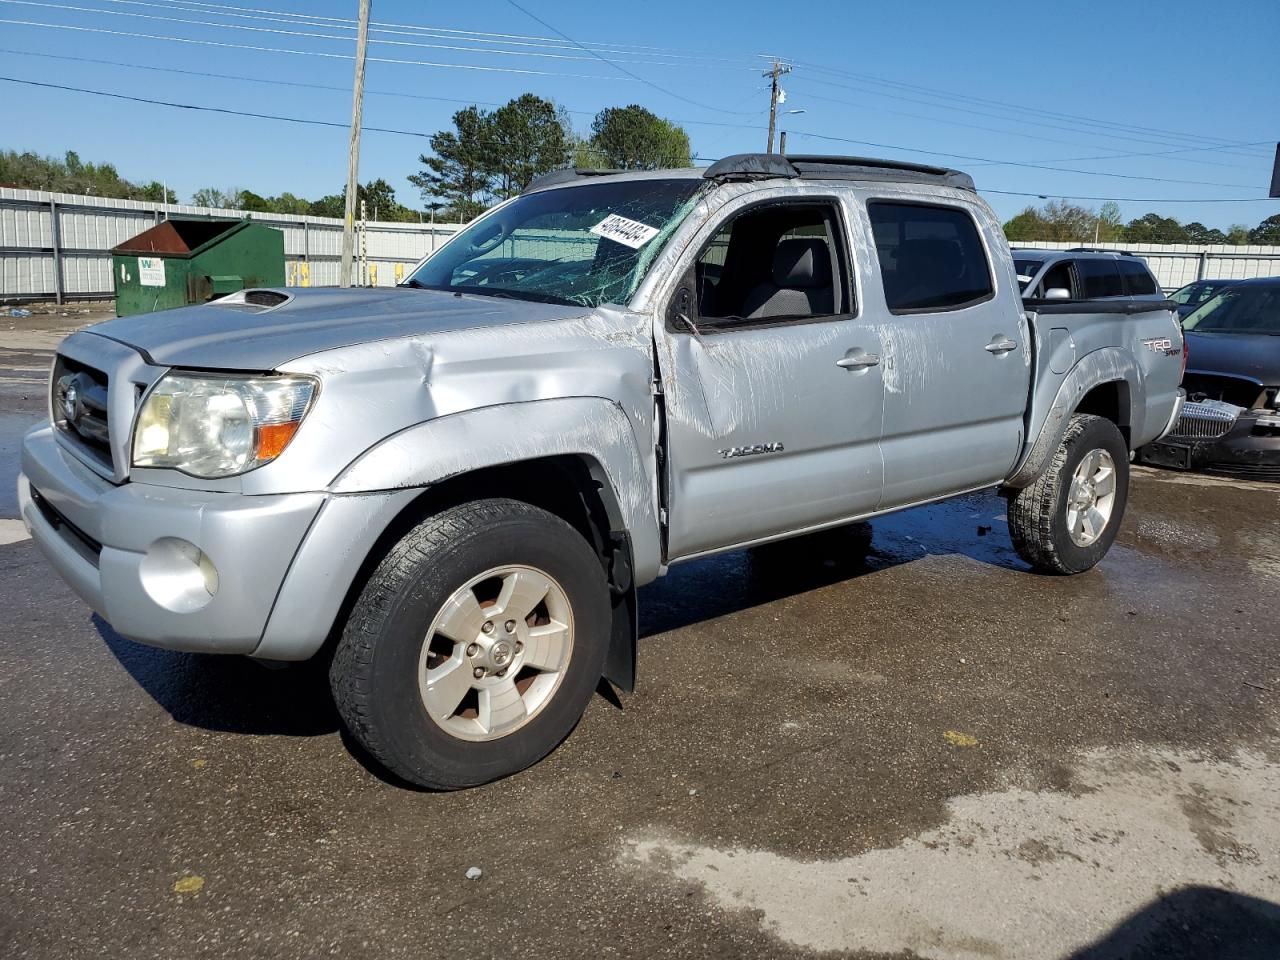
(252, 301)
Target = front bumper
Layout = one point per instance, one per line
(114, 545)
(1247, 444)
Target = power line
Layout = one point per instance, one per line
(297, 33)
(619, 67)
(305, 53)
(277, 82)
(1028, 136)
(1178, 135)
(280, 117)
(1016, 163)
(1067, 196)
(1109, 135)
(497, 37)
(461, 36)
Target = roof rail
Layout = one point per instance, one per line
(564, 176)
(1122, 253)
(749, 166)
(815, 166)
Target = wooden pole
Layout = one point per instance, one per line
(353, 152)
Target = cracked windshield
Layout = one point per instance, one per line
(584, 245)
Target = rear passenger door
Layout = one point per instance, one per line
(956, 368)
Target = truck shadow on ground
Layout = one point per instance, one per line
(973, 526)
(228, 694)
(1191, 923)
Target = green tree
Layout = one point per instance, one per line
(1153, 228)
(1057, 220)
(526, 137)
(334, 205)
(232, 198)
(1110, 223)
(288, 203)
(1197, 232)
(1238, 234)
(70, 174)
(1028, 225)
(253, 202)
(1268, 231)
(633, 138)
(460, 172)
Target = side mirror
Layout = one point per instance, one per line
(680, 309)
(1057, 293)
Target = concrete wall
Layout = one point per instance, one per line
(58, 243)
(1177, 264)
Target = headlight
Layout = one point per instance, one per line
(214, 426)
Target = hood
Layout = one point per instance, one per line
(231, 337)
(1255, 355)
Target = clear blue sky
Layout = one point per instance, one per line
(1052, 84)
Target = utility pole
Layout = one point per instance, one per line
(782, 143)
(353, 152)
(773, 73)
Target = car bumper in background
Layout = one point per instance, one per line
(1220, 438)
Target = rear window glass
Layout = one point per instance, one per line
(1138, 281)
(1099, 278)
(931, 258)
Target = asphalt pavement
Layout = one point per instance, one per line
(890, 741)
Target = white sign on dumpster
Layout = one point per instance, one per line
(151, 271)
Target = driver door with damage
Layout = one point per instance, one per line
(771, 380)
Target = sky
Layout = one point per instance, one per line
(1154, 100)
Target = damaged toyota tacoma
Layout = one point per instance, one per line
(453, 488)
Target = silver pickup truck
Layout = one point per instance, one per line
(453, 488)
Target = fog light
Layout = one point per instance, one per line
(178, 575)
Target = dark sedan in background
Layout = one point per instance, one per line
(1196, 293)
(1231, 421)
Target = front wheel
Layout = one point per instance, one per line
(475, 646)
(1066, 521)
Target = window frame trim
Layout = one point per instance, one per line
(935, 205)
(714, 325)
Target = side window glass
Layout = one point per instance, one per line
(1138, 281)
(1099, 278)
(773, 263)
(931, 258)
(1057, 277)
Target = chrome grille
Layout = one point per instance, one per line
(1207, 420)
(79, 405)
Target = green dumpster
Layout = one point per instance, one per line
(180, 262)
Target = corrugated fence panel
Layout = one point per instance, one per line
(88, 227)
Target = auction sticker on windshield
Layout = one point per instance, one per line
(629, 233)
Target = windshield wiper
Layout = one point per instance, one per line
(504, 293)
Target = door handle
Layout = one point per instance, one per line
(859, 361)
(1001, 346)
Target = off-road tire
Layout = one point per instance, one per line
(1037, 513)
(374, 674)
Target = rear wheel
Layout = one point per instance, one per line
(1066, 521)
(475, 646)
